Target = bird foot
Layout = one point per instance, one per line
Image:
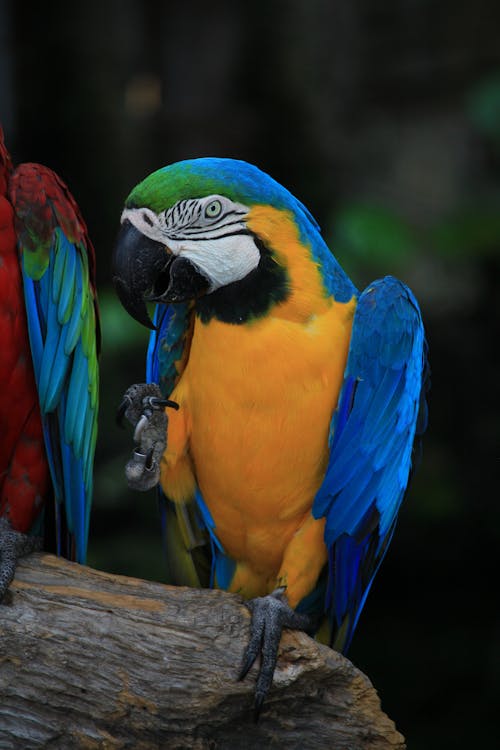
(144, 407)
(13, 545)
(270, 614)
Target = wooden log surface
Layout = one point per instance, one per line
(93, 660)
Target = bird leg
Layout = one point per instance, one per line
(144, 407)
(270, 614)
(13, 545)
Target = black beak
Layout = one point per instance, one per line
(144, 270)
(137, 261)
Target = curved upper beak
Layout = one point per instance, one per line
(137, 261)
(145, 270)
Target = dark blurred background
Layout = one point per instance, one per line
(384, 118)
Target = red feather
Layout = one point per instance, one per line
(24, 472)
(37, 193)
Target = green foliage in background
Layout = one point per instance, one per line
(372, 241)
(370, 238)
(483, 108)
(121, 333)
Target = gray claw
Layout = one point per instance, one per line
(121, 411)
(161, 403)
(145, 409)
(141, 424)
(270, 614)
(13, 545)
(142, 471)
(149, 463)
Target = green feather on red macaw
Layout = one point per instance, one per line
(49, 331)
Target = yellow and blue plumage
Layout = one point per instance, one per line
(299, 399)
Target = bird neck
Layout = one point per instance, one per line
(289, 281)
(249, 298)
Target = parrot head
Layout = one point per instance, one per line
(187, 232)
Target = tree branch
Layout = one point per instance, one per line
(93, 660)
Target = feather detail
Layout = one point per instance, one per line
(372, 435)
(67, 292)
(58, 268)
(169, 345)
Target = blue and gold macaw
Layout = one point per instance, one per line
(299, 399)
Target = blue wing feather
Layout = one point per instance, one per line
(56, 325)
(161, 319)
(166, 353)
(74, 323)
(34, 324)
(58, 275)
(371, 439)
(66, 297)
(167, 344)
(77, 383)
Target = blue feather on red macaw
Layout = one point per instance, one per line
(49, 333)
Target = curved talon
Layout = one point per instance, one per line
(172, 404)
(141, 424)
(160, 403)
(127, 401)
(149, 463)
(270, 614)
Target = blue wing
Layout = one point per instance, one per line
(371, 441)
(168, 345)
(58, 269)
(187, 533)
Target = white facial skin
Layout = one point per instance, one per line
(211, 232)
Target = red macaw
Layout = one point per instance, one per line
(49, 332)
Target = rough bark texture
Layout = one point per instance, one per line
(93, 660)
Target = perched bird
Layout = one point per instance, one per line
(299, 399)
(49, 335)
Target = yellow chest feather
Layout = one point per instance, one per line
(256, 405)
(260, 399)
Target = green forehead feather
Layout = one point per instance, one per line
(198, 178)
(161, 189)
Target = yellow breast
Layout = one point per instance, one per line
(259, 399)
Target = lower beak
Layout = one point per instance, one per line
(179, 281)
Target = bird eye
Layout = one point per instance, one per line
(213, 209)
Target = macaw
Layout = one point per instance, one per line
(49, 332)
(297, 399)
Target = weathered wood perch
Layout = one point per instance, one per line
(93, 660)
